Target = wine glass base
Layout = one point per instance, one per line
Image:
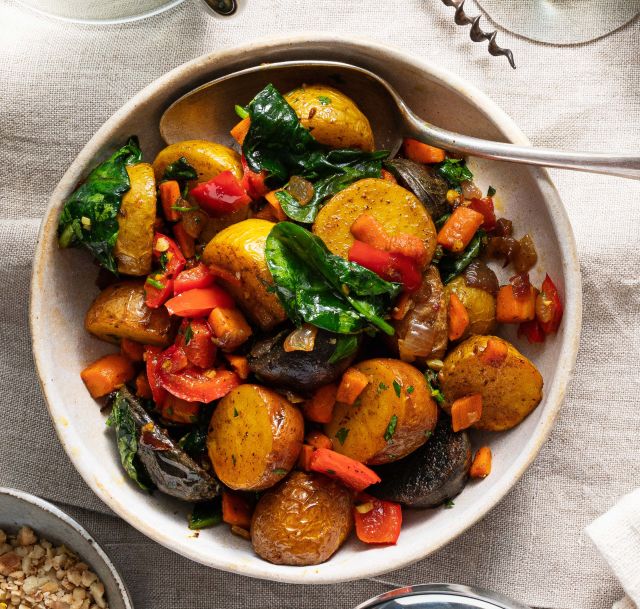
(561, 21)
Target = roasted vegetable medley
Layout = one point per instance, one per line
(306, 327)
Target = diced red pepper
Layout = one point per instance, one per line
(198, 276)
(390, 266)
(532, 331)
(350, 472)
(193, 384)
(199, 302)
(222, 195)
(168, 254)
(485, 207)
(158, 288)
(194, 337)
(549, 292)
(379, 524)
(151, 356)
(252, 182)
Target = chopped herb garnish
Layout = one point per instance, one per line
(410, 389)
(428, 433)
(342, 434)
(188, 335)
(183, 208)
(155, 283)
(235, 412)
(324, 100)
(279, 471)
(164, 258)
(391, 428)
(240, 111)
(397, 387)
(331, 472)
(491, 191)
(448, 504)
(432, 382)
(206, 514)
(233, 459)
(382, 387)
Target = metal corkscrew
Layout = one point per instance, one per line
(477, 34)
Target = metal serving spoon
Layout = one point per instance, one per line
(222, 7)
(207, 112)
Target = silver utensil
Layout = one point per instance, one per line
(222, 7)
(207, 112)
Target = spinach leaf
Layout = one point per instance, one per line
(180, 170)
(205, 514)
(194, 442)
(127, 441)
(346, 345)
(89, 217)
(454, 171)
(451, 265)
(322, 289)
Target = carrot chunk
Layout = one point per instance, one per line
(351, 386)
(239, 363)
(481, 466)
(169, 192)
(275, 206)
(179, 411)
(131, 349)
(466, 411)
(239, 132)
(143, 389)
(495, 353)
(107, 374)
(318, 440)
(423, 153)
(512, 309)
(186, 242)
(388, 176)
(304, 460)
(459, 229)
(236, 509)
(319, 408)
(350, 472)
(229, 327)
(457, 316)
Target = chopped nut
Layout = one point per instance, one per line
(26, 537)
(9, 563)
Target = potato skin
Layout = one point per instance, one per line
(239, 248)
(119, 312)
(480, 305)
(510, 390)
(254, 439)
(368, 419)
(207, 158)
(395, 208)
(302, 521)
(333, 118)
(135, 222)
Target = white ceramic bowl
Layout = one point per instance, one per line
(62, 289)
(19, 509)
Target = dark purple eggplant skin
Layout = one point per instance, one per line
(431, 475)
(300, 371)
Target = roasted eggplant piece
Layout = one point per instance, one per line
(423, 182)
(300, 371)
(431, 475)
(167, 465)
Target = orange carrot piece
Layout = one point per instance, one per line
(143, 389)
(239, 363)
(388, 176)
(495, 353)
(304, 460)
(512, 309)
(239, 132)
(457, 317)
(466, 411)
(319, 408)
(275, 205)
(107, 374)
(402, 306)
(236, 509)
(186, 242)
(481, 466)
(351, 386)
(179, 411)
(229, 327)
(266, 213)
(350, 472)
(423, 153)
(169, 195)
(317, 439)
(408, 245)
(131, 349)
(459, 229)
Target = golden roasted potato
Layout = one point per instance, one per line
(511, 386)
(331, 116)
(239, 249)
(480, 306)
(120, 312)
(207, 158)
(391, 417)
(255, 437)
(302, 521)
(135, 222)
(395, 208)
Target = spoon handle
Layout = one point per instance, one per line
(221, 7)
(624, 166)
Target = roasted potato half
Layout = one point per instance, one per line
(395, 208)
(135, 222)
(510, 388)
(120, 312)
(239, 249)
(254, 438)
(207, 158)
(391, 417)
(302, 521)
(480, 306)
(332, 117)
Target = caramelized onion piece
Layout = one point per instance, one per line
(479, 275)
(505, 248)
(521, 285)
(526, 256)
(300, 189)
(504, 228)
(470, 190)
(301, 339)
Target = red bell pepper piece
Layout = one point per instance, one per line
(252, 182)
(198, 276)
(168, 254)
(350, 472)
(390, 266)
(151, 356)
(380, 524)
(222, 195)
(485, 207)
(194, 337)
(551, 298)
(193, 384)
(158, 288)
(532, 331)
(199, 302)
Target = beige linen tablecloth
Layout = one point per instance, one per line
(58, 84)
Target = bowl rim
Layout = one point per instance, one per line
(553, 399)
(55, 511)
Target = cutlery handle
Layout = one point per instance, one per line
(624, 166)
(221, 7)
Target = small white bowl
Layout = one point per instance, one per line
(62, 289)
(19, 509)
